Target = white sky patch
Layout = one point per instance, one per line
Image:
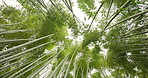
(93, 71)
(78, 56)
(78, 12)
(91, 45)
(79, 38)
(45, 72)
(81, 15)
(104, 51)
(47, 3)
(107, 72)
(12, 3)
(129, 53)
(137, 70)
(70, 36)
(72, 73)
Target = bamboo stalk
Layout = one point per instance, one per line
(5, 75)
(13, 48)
(75, 67)
(11, 53)
(16, 55)
(14, 63)
(67, 70)
(15, 31)
(4, 41)
(12, 76)
(36, 72)
(62, 68)
(57, 67)
(30, 68)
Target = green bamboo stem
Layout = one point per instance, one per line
(15, 31)
(8, 66)
(13, 48)
(16, 55)
(5, 75)
(62, 69)
(37, 71)
(32, 67)
(67, 70)
(15, 40)
(14, 75)
(75, 67)
(57, 67)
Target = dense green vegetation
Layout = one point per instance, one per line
(35, 42)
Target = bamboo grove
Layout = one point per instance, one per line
(34, 40)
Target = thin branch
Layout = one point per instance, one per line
(117, 13)
(76, 18)
(109, 8)
(138, 28)
(94, 17)
(139, 49)
(140, 13)
(136, 34)
(38, 8)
